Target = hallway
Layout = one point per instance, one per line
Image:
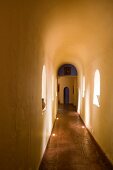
(56, 52)
(71, 147)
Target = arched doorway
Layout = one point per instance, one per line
(67, 89)
(66, 95)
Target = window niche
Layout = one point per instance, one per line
(43, 88)
(96, 94)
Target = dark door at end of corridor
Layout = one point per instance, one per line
(66, 95)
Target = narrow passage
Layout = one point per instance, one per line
(71, 147)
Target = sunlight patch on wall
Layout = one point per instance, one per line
(96, 94)
(49, 107)
(47, 118)
(87, 108)
(78, 110)
(50, 123)
(47, 127)
(44, 140)
(56, 93)
(52, 88)
(56, 84)
(83, 92)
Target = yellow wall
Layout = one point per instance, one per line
(99, 119)
(24, 130)
(82, 35)
(51, 33)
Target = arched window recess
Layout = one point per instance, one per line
(96, 94)
(44, 88)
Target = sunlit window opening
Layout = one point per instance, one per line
(43, 87)
(83, 92)
(96, 95)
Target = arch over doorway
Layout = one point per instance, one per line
(67, 70)
(66, 95)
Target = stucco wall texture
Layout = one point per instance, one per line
(51, 33)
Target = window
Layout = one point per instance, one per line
(96, 95)
(43, 87)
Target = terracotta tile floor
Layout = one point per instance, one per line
(72, 147)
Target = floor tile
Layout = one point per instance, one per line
(73, 148)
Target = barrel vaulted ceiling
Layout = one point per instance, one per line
(77, 32)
